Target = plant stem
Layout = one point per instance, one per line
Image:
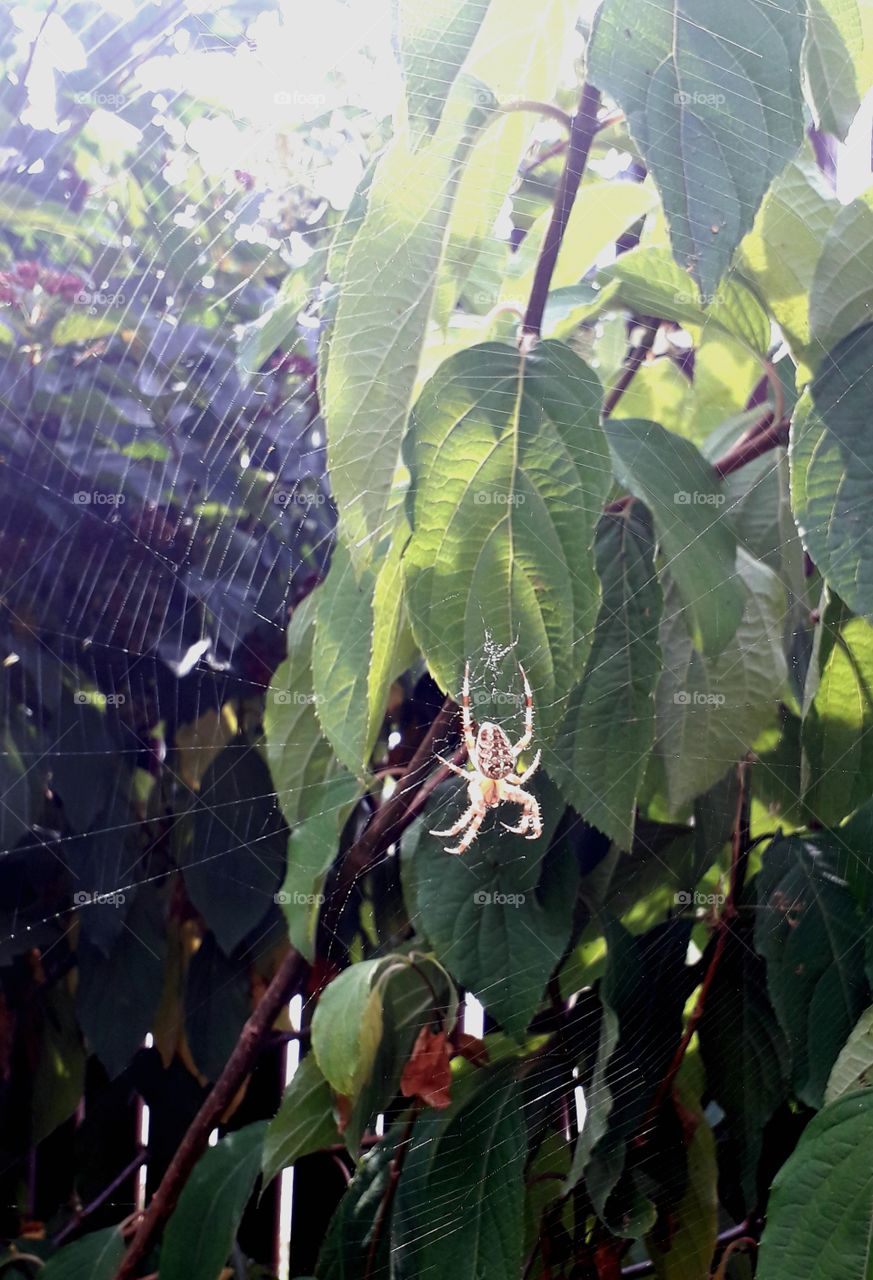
(582, 132)
(769, 433)
(100, 1199)
(633, 360)
(192, 1146)
(384, 1210)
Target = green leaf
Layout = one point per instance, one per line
(479, 1173)
(842, 289)
(818, 1217)
(831, 470)
(614, 703)
(312, 848)
(711, 711)
(838, 57)
(675, 481)
(347, 1026)
(274, 328)
(59, 1072)
(509, 470)
(304, 1122)
(217, 1002)
(434, 41)
(499, 918)
(838, 745)
(712, 98)
(358, 643)
(852, 1069)
(810, 932)
(200, 1234)
(238, 843)
(744, 1052)
(781, 252)
(650, 282)
(95, 1257)
(351, 1236)
(386, 289)
(299, 755)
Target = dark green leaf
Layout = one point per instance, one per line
(304, 1121)
(217, 1003)
(95, 1257)
(201, 1232)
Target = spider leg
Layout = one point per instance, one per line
(527, 737)
(450, 764)
(467, 719)
(530, 770)
(462, 822)
(531, 823)
(472, 830)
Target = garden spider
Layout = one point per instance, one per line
(492, 779)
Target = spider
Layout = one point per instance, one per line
(492, 779)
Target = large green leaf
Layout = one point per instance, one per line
(509, 469)
(347, 1026)
(234, 864)
(838, 717)
(818, 1218)
(744, 1052)
(677, 484)
(712, 97)
(853, 1069)
(386, 289)
(299, 755)
(781, 252)
(304, 1121)
(201, 1232)
(810, 932)
(434, 41)
(614, 702)
(499, 917)
(95, 1257)
(711, 711)
(478, 1177)
(838, 59)
(832, 471)
(841, 296)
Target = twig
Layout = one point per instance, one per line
(739, 859)
(541, 109)
(582, 133)
(731, 1237)
(101, 1199)
(390, 1190)
(192, 1146)
(768, 433)
(632, 362)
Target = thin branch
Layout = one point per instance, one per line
(767, 434)
(636, 354)
(194, 1143)
(541, 109)
(582, 133)
(384, 1210)
(100, 1199)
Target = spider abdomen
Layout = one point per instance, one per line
(493, 752)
